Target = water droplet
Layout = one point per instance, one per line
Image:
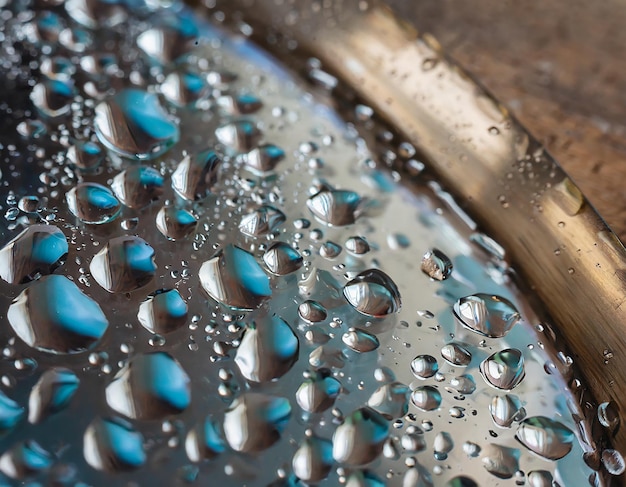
(500, 461)
(239, 105)
(312, 311)
(175, 223)
(424, 366)
(313, 460)
(163, 312)
(282, 259)
(426, 398)
(318, 392)
(262, 221)
(360, 340)
(264, 158)
(29, 204)
(183, 89)
(112, 445)
(31, 129)
(234, 278)
(357, 245)
(150, 386)
(85, 155)
(53, 315)
(204, 441)
(196, 175)
(330, 250)
(373, 293)
(391, 400)
(613, 461)
(540, 478)
(124, 264)
(456, 354)
(93, 203)
(413, 442)
(546, 437)
(138, 186)
(169, 42)
(134, 124)
(10, 413)
(506, 409)
(436, 265)
(255, 421)
(608, 415)
(336, 207)
(472, 450)
(442, 445)
(461, 481)
(486, 314)
(463, 384)
(359, 439)
(504, 369)
(53, 98)
(52, 393)
(37, 251)
(25, 459)
(268, 350)
(239, 135)
(96, 14)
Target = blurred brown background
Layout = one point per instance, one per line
(560, 66)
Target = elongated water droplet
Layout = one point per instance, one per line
(175, 223)
(436, 264)
(360, 438)
(335, 207)
(255, 421)
(25, 459)
(234, 278)
(134, 124)
(37, 251)
(150, 386)
(124, 264)
(163, 312)
(52, 393)
(442, 445)
(196, 175)
(373, 293)
(506, 409)
(360, 340)
(312, 311)
(426, 398)
(424, 366)
(261, 221)
(264, 158)
(546, 437)
(456, 354)
(112, 445)
(282, 259)
(93, 203)
(53, 315)
(318, 392)
(486, 314)
(501, 461)
(268, 350)
(10, 413)
(504, 369)
(391, 400)
(239, 135)
(313, 460)
(138, 186)
(204, 441)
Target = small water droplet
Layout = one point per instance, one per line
(264, 158)
(360, 340)
(183, 89)
(10, 413)
(373, 293)
(86, 156)
(24, 460)
(262, 221)
(239, 135)
(424, 366)
(313, 460)
(53, 98)
(112, 445)
(504, 369)
(52, 393)
(488, 315)
(501, 461)
(391, 400)
(175, 223)
(357, 245)
(426, 398)
(204, 441)
(138, 186)
(163, 311)
(93, 203)
(613, 461)
(318, 392)
(196, 175)
(436, 265)
(360, 438)
(335, 207)
(456, 354)
(506, 409)
(170, 41)
(239, 104)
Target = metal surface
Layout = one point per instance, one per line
(499, 173)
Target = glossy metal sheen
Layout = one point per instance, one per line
(499, 173)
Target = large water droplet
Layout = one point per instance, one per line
(501, 461)
(506, 409)
(456, 354)
(313, 460)
(234, 278)
(52, 393)
(164, 311)
(10, 412)
(426, 398)
(204, 441)
(112, 445)
(318, 392)
(134, 124)
(486, 314)
(335, 207)
(175, 223)
(261, 221)
(442, 445)
(255, 421)
(150, 386)
(613, 461)
(282, 259)
(268, 350)
(25, 459)
(504, 369)
(55, 316)
(124, 264)
(138, 186)
(546, 437)
(264, 158)
(93, 203)
(361, 437)
(373, 293)
(239, 135)
(436, 264)
(169, 42)
(424, 366)
(196, 174)
(37, 251)
(360, 340)
(53, 98)
(183, 89)
(390, 400)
